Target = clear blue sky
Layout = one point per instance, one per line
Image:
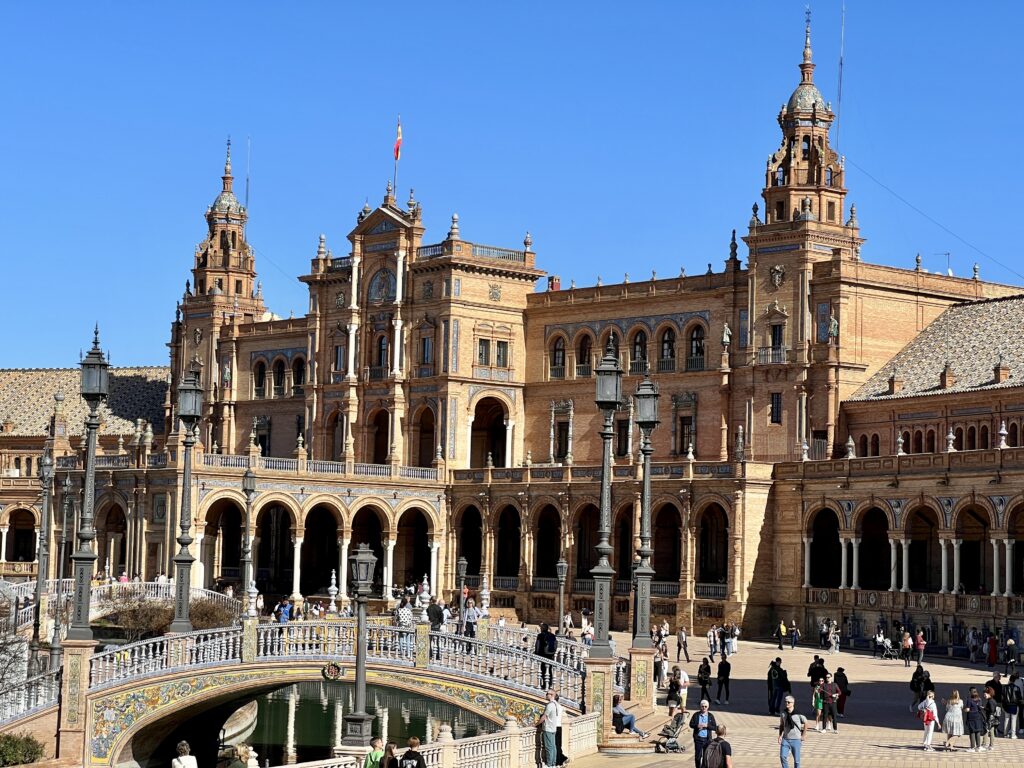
(625, 137)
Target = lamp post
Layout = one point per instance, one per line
(95, 381)
(647, 419)
(461, 566)
(358, 724)
(562, 569)
(190, 410)
(56, 649)
(43, 556)
(609, 395)
(248, 581)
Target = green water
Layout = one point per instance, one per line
(314, 710)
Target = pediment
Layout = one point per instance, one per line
(382, 221)
(776, 310)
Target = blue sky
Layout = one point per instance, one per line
(625, 137)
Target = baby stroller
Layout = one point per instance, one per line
(668, 739)
(888, 652)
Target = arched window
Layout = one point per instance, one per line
(279, 378)
(874, 445)
(805, 151)
(983, 437)
(638, 358)
(583, 355)
(972, 438)
(828, 177)
(259, 380)
(28, 466)
(863, 447)
(17, 465)
(298, 375)
(668, 344)
(1011, 439)
(780, 176)
(930, 441)
(558, 358)
(918, 441)
(958, 439)
(382, 351)
(695, 360)
(906, 442)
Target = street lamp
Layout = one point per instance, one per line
(56, 649)
(95, 383)
(461, 566)
(43, 556)
(609, 394)
(562, 569)
(646, 419)
(190, 410)
(358, 724)
(248, 582)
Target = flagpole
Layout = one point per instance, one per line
(398, 154)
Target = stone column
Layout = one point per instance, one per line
(995, 567)
(434, 546)
(956, 565)
(389, 568)
(1009, 567)
(198, 574)
(343, 568)
(350, 352)
(906, 564)
(892, 564)
(296, 567)
(945, 566)
(510, 427)
(3, 543)
(856, 563)
(844, 543)
(807, 560)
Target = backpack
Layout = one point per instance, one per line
(713, 755)
(1012, 694)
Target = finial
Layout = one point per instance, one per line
(977, 269)
(321, 249)
(710, 270)
(390, 191)
(598, 281)
(453, 233)
(96, 336)
(625, 278)
(682, 272)
(227, 159)
(807, 35)
(852, 221)
(412, 199)
(572, 285)
(528, 240)
(733, 248)
(754, 220)
(917, 262)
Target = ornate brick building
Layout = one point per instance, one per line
(838, 438)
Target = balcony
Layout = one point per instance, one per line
(772, 355)
(279, 390)
(695, 363)
(260, 392)
(583, 371)
(665, 588)
(556, 372)
(545, 584)
(667, 365)
(506, 583)
(378, 372)
(638, 367)
(583, 586)
(424, 371)
(710, 591)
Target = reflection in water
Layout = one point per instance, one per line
(304, 721)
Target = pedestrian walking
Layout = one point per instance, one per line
(991, 650)
(780, 633)
(817, 700)
(974, 713)
(919, 646)
(703, 724)
(724, 671)
(844, 691)
(1010, 656)
(681, 644)
(545, 647)
(772, 679)
(674, 693)
(704, 678)
(718, 752)
(794, 634)
(1013, 697)
(973, 643)
(905, 646)
(915, 687)
(830, 693)
(792, 729)
(953, 722)
(659, 663)
(712, 641)
(991, 720)
(929, 716)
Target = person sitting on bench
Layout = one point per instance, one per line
(623, 720)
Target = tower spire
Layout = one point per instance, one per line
(807, 65)
(227, 177)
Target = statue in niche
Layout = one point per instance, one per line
(833, 329)
(726, 335)
(382, 286)
(226, 376)
(339, 300)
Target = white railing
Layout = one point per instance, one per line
(419, 473)
(28, 696)
(207, 647)
(568, 652)
(711, 591)
(325, 467)
(113, 462)
(280, 465)
(226, 460)
(102, 597)
(489, 751)
(583, 734)
(372, 470)
(334, 639)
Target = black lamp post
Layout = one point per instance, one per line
(95, 383)
(647, 419)
(190, 410)
(609, 395)
(248, 582)
(562, 569)
(56, 649)
(43, 556)
(359, 724)
(461, 566)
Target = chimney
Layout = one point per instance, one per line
(1001, 371)
(895, 382)
(554, 283)
(947, 378)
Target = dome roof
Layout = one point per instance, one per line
(805, 98)
(226, 201)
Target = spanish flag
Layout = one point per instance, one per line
(398, 141)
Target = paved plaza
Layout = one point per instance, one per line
(878, 726)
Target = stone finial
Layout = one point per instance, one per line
(899, 445)
(147, 437)
(950, 440)
(332, 592)
(851, 448)
(364, 212)
(120, 444)
(453, 233)
(625, 279)
(804, 450)
(689, 451)
(490, 459)
(977, 270)
(852, 221)
(654, 275)
(754, 220)
(529, 458)
(411, 204)
(300, 443)
(917, 262)
(1002, 435)
(572, 285)
(321, 248)
(528, 241)
(682, 272)
(389, 192)
(252, 434)
(733, 248)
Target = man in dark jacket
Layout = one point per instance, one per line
(435, 615)
(724, 672)
(773, 682)
(703, 726)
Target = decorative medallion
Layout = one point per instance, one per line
(872, 598)
(823, 596)
(494, 292)
(776, 275)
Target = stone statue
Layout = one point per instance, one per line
(197, 336)
(726, 335)
(833, 328)
(226, 377)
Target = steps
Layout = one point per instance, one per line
(648, 719)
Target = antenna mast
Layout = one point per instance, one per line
(839, 90)
(248, 158)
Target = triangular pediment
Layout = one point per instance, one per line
(382, 221)
(776, 310)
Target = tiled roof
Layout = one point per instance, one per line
(26, 398)
(971, 337)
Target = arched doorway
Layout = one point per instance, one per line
(319, 551)
(713, 546)
(274, 554)
(21, 537)
(367, 529)
(875, 570)
(111, 535)
(586, 541)
(426, 442)
(826, 551)
(222, 544)
(379, 437)
(508, 544)
(925, 557)
(471, 540)
(624, 551)
(547, 542)
(667, 558)
(489, 419)
(972, 528)
(412, 549)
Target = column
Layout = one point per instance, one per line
(198, 574)
(434, 546)
(807, 560)
(353, 299)
(343, 568)
(469, 444)
(856, 563)
(1009, 567)
(350, 352)
(842, 562)
(892, 565)
(995, 567)
(956, 565)
(296, 566)
(388, 568)
(35, 544)
(945, 566)
(255, 551)
(568, 450)
(396, 346)
(906, 564)
(509, 430)
(3, 543)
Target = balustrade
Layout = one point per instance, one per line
(665, 588)
(506, 583)
(545, 584)
(711, 591)
(27, 696)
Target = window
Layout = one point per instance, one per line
(381, 360)
(686, 434)
(426, 350)
(777, 336)
(446, 340)
(875, 445)
(695, 360)
(805, 151)
(220, 284)
(780, 211)
(775, 409)
(340, 359)
(583, 354)
(259, 379)
(298, 375)
(561, 439)
(446, 287)
(831, 211)
(238, 286)
(558, 353)
(28, 466)
(458, 286)
(828, 177)
(863, 446)
(501, 354)
(780, 176)
(640, 346)
(483, 352)
(279, 378)
(200, 287)
(668, 344)
(622, 437)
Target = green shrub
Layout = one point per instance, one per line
(210, 614)
(19, 748)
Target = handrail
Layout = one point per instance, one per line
(28, 696)
(205, 647)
